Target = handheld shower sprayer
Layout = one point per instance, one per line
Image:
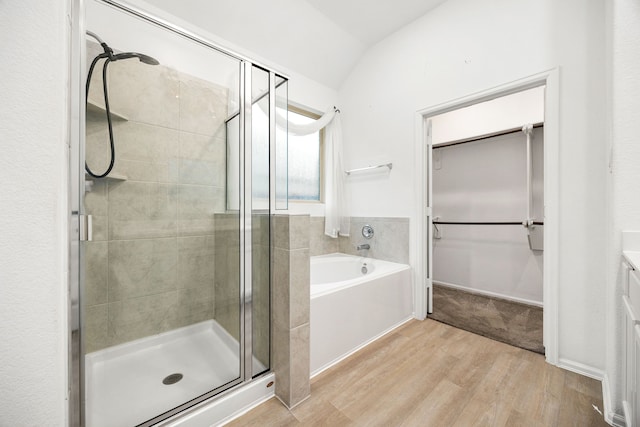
(109, 57)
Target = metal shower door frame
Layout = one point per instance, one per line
(77, 212)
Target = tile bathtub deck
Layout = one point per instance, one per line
(431, 374)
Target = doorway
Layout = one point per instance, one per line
(488, 219)
(430, 253)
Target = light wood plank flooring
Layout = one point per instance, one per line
(431, 374)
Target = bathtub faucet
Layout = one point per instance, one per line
(363, 246)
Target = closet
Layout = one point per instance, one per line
(488, 218)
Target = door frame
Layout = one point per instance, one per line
(421, 242)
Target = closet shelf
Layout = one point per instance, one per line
(96, 111)
(483, 136)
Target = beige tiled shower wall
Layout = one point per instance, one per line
(389, 243)
(227, 272)
(150, 267)
(261, 287)
(227, 279)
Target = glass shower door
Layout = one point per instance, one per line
(161, 295)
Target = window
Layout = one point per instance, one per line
(305, 160)
(302, 158)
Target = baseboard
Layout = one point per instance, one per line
(581, 368)
(610, 416)
(489, 293)
(627, 414)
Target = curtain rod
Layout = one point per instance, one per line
(485, 136)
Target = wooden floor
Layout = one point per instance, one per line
(431, 374)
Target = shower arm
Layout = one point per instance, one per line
(107, 50)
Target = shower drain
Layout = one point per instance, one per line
(172, 379)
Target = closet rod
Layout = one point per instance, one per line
(485, 136)
(485, 223)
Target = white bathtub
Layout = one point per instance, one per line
(350, 309)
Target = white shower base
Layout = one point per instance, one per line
(124, 383)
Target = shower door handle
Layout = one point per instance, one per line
(86, 228)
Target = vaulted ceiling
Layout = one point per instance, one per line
(371, 21)
(320, 39)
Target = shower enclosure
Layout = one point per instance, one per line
(174, 241)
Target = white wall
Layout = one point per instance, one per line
(463, 47)
(624, 179)
(33, 249)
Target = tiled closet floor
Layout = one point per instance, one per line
(507, 321)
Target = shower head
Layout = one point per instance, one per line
(109, 56)
(145, 59)
(108, 52)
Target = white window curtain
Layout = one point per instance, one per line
(336, 221)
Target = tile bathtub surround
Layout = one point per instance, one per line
(390, 241)
(320, 243)
(290, 308)
(152, 264)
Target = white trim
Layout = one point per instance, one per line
(417, 238)
(300, 207)
(626, 418)
(551, 255)
(428, 217)
(610, 416)
(581, 368)
(489, 293)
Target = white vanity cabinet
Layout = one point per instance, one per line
(631, 356)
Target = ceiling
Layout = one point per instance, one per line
(320, 39)
(371, 21)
